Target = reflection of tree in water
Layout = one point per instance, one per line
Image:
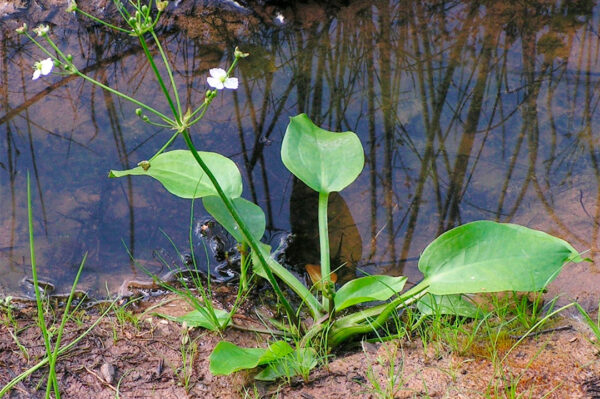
(466, 110)
(441, 93)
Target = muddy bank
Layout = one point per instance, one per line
(157, 358)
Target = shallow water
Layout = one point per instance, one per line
(465, 112)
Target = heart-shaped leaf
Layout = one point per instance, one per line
(181, 175)
(251, 213)
(228, 358)
(366, 289)
(486, 256)
(325, 161)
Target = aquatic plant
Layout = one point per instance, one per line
(481, 256)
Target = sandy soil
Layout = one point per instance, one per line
(145, 361)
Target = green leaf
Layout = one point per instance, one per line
(486, 256)
(299, 362)
(251, 213)
(181, 175)
(366, 289)
(325, 161)
(228, 358)
(201, 318)
(447, 304)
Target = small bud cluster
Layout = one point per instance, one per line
(22, 29)
(42, 30)
(72, 6)
(162, 5)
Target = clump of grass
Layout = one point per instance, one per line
(594, 325)
(9, 321)
(392, 367)
(51, 333)
(189, 352)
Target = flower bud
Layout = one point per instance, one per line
(145, 9)
(162, 5)
(42, 30)
(70, 57)
(22, 29)
(72, 7)
(138, 112)
(239, 54)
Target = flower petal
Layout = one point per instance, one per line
(36, 74)
(47, 66)
(218, 73)
(231, 83)
(214, 82)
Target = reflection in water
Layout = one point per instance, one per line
(466, 111)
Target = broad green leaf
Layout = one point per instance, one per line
(301, 361)
(325, 161)
(486, 256)
(181, 175)
(250, 213)
(447, 304)
(228, 358)
(200, 318)
(366, 289)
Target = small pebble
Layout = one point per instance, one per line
(108, 372)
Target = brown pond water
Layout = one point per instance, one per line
(465, 111)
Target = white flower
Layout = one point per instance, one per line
(219, 80)
(43, 67)
(42, 30)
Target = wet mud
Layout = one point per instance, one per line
(144, 360)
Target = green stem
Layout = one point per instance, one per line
(159, 78)
(349, 326)
(244, 261)
(324, 244)
(61, 329)
(357, 317)
(164, 147)
(36, 287)
(203, 108)
(206, 293)
(207, 103)
(168, 68)
(74, 69)
(165, 118)
(5, 389)
(93, 18)
(49, 54)
(300, 289)
(236, 216)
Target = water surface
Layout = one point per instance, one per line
(465, 111)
